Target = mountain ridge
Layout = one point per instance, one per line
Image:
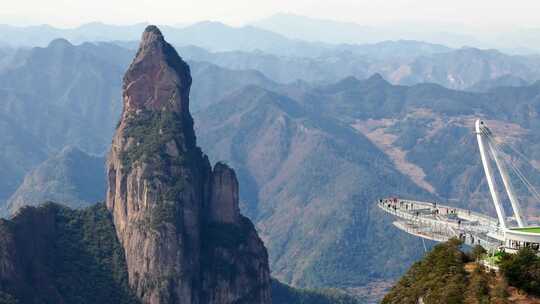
(71, 178)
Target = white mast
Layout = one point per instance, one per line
(508, 186)
(489, 175)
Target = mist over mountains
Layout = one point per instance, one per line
(315, 131)
(302, 33)
(283, 56)
(402, 62)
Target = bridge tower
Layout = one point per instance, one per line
(484, 137)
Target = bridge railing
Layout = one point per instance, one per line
(480, 226)
(464, 213)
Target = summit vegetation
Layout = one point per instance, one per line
(447, 274)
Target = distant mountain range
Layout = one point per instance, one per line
(466, 67)
(211, 35)
(455, 35)
(336, 32)
(299, 33)
(284, 57)
(214, 36)
(401, 62)
(507, 80)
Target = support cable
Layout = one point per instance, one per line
(515, 168)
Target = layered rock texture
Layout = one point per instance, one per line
(176, 218)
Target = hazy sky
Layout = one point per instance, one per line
(485, 14)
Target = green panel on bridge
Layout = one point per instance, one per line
(528, 229)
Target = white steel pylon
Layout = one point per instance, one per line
(482, 133)
(508, 186)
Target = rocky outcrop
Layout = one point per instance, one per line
(223, 206)
(176, 218)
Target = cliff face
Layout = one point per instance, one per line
(176, 218)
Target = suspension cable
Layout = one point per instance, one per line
(498, 146)
(523, 179)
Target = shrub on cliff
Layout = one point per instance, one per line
(522, 270)
(439, 278)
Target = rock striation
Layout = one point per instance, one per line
(176, 218)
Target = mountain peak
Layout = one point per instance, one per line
(70, 150)
(152, 33)
(158, 78)
(60, 43)
(376, 78)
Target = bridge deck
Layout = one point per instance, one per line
(439, 222)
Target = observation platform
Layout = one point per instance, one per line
(438, 222)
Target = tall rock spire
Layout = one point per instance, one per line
(156, 75)
(171, 211)
(158, 79)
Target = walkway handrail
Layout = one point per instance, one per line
(474, 228)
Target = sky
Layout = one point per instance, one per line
(475, 14)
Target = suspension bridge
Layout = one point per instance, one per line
(438, 222)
